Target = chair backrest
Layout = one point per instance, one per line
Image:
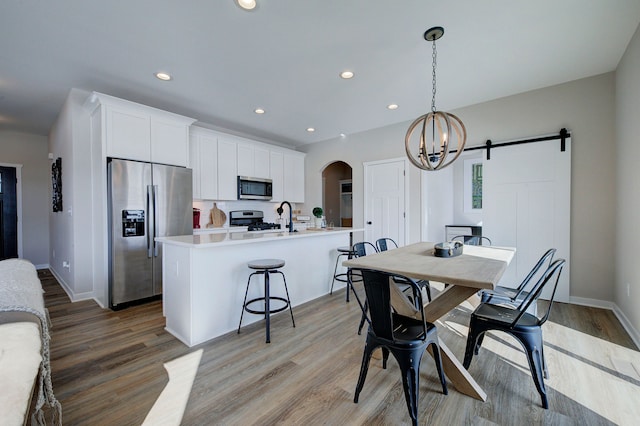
(384, 244)
(376, 286)
(547, 257)
(363, 248)
(550, 277)
(472, 240)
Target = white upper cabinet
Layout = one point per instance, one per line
(169, 140)
(262, 160)
(217, 159)
(128, 134)
(138, 132)
(227, 168)
(246, 162)
(277, 175)
(294, 177)
(253, 160)
(203, 159)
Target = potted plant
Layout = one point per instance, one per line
(317, 212)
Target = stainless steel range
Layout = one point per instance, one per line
(252, 219)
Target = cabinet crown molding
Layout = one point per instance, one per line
(96, 99)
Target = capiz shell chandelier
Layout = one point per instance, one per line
(440, 133)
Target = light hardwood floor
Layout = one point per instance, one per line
(108, 370)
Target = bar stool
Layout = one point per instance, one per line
(266, 267)
(344, 277)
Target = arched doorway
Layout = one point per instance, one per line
(336, 194)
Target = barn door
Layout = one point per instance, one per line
(526, 204)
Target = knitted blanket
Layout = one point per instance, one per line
(21, 291)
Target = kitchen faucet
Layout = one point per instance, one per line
(280, 210)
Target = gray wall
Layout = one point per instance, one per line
(627, 289)
(585, 107)
(31, 152)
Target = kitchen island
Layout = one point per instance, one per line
(205, 276)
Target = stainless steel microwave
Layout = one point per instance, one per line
(250, 188)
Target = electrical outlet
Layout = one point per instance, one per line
(66, 264)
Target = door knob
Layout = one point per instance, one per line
(369, 223)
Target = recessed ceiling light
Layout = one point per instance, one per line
(392, 106)
(342, 135)
(346, 74)
(163, 76)
(258, 111)
(247, 4)
(310, 129)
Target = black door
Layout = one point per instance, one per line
(8, 214)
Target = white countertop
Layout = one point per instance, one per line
(219, 239)
(220, 230)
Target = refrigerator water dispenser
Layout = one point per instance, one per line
(133, 223)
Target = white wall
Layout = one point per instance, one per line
(377, 144)
(585, 107)
(70, 230)
(31, 152)
(627, 280)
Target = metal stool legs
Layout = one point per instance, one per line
(267, 301)
(337, 276)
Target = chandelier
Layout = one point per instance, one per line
(440, 132)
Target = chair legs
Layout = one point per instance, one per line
(427, 287)
(409, 360)
(533, 346)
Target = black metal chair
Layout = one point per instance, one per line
(525, 327)
(359, 250)
(384, 244)
(513, 296)
(473, 240)
(404, 337)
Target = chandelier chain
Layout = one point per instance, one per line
(434, 55)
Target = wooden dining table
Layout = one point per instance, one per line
(477, 268)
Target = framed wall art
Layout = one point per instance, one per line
(56, 181)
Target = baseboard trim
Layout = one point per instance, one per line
(98, 302)
(72, 296)
(42, 266)
(594, 303)
(603, 304)
(635, 336)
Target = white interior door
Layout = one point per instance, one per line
(385, 200)
(526, 205)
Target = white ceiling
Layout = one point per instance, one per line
(286, 55)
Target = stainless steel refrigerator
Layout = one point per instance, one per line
(145, 201)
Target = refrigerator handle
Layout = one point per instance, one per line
(149, 226)
(155, 219)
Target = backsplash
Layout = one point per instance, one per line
(268, 208)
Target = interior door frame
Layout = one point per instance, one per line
(365, 201)
(18, 168)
